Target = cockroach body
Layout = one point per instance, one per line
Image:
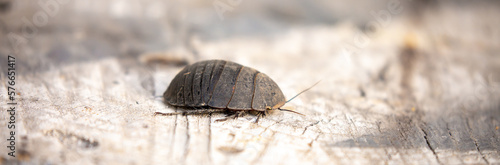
(223, 84)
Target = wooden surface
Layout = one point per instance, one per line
(424, 90)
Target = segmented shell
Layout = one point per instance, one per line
(223, 84)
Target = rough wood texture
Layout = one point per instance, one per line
(424, 90)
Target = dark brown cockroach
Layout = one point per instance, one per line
(226, 85)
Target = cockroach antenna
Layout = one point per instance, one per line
(302, 91)
(288, 110)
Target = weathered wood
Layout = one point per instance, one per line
(414, 95)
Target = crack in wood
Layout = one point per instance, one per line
(173, 135)
(312, 141)
(429, 144)
(310, 144)
(353, 124)
(475, 141)
(455, 141)
(449, 133)
(209, 145)
(186, 148)
(350, 130)
(310, 125)
(79, 141)
(265, 129)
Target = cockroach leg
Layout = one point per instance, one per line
(233, 116)
(197, 112)
(260, 114)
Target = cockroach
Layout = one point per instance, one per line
(220, 84)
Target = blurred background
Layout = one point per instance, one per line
(432, 64)
(54, 32)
